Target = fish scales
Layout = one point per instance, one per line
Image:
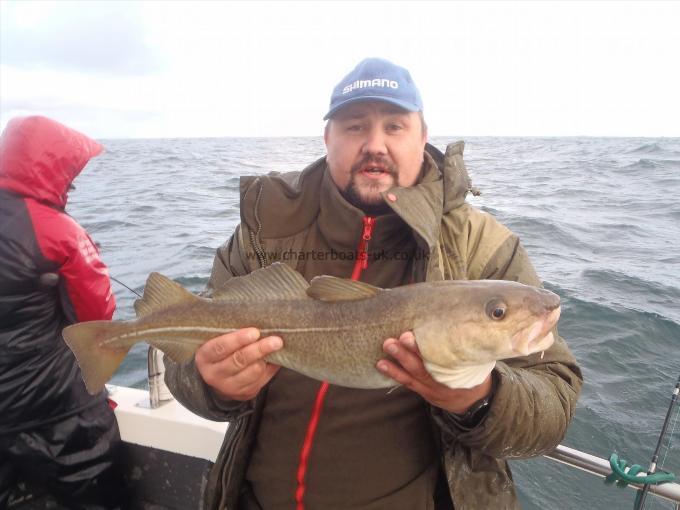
(342, 341)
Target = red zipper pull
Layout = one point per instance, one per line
(365, 237)
(362, 249)
(369, 221)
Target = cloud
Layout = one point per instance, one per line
(90, 37)
(97, 122)
(222, 68)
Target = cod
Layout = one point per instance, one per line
(332, 329)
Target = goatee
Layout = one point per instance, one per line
(371, 208)
(374, 206)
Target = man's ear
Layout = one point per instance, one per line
(325, 131)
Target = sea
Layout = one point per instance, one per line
(599, 217)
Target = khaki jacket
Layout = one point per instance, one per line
(535, 397)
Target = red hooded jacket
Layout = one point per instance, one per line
(39, 377)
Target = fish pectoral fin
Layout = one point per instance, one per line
(161, 292)
(330, 288)
(277, 281)
(462, 376)
(179, 352)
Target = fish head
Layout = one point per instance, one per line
(477, 322)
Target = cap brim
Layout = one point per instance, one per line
(401, 104)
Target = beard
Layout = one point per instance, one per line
(368, 198)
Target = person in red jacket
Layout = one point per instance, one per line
(52, 432)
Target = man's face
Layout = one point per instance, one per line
(373, 146)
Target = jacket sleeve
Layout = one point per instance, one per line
(534, 396)
(183, 380)
(84, 284)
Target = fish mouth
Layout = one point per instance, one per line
(538, 337)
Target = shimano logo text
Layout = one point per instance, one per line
(377, 82)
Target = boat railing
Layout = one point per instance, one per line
(600, 467)
(158, 391)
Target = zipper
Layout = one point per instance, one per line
(362, 250)
(254, 236)
(307, 446)
(360, 264)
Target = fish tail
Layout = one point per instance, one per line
(98, 361)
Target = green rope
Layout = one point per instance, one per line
(623, 477)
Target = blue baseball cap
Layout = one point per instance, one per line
(376, 79)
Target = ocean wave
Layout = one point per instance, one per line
(542, 228)
(107, 225)
(232, 183)
(143, 208)
(248, 163)
(650, 164)
(162, 160)
(630, 283)
(669, 163)
(643, 164)
(625, 291)
(648, 148)
(608, 297)
(192, 281)
(622, 229)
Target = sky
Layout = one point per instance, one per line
(166, 69)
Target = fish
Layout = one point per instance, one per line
(333, 329)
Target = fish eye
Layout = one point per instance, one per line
(496, 309)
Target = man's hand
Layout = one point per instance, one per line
(414, 376)
(233, 365)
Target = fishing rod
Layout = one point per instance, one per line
(640, 501)
(121, 283)
(99, 247)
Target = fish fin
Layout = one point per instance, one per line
(161, 292)
(463, 376)
(330, 288)
(277, 281)
(179, 352)
(98, 362)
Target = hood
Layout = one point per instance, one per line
(39, 158)
(456, 180)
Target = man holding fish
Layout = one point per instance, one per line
(390, 280)
(297, 443)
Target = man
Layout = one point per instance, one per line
(397, 205)
(52, 432)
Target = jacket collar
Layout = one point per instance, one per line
(342, 224)
(281, 205)
(421, 205)
(442, 188)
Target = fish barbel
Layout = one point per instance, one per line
(332, 329)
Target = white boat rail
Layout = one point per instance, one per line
(598, 466)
